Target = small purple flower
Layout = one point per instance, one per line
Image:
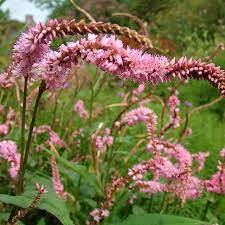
(188, 104)
(120, 94)
(120, 83)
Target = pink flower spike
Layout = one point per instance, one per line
(108, 54)
(57, 184)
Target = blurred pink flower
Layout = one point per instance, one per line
(4, 129)
(55, 140)
(222, 153)
(8, 151)
(99, 214)
(200, 158)
(80, 109)
(101, 142)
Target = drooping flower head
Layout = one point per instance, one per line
(108, 54)
(185, 68)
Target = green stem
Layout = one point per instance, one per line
(26, 154)
(204, 213)
(163, 203)
(22, 137)
(150, 204)
(91, 108)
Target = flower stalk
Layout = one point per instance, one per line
(27, 149)
(22, 138)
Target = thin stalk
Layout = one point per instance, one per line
(182, 134)
(163, 203)
(22, 139)
(91, 108)
(22, 135)
(150, 204)
(205, 210)
(26, 154)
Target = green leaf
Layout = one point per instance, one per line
(4, 217)
(137, 210)
(158, 219)
(49, 201)
(41, 222)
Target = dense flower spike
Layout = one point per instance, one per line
(32, 44)
(8, 151)
(110, 191)
(45, 33)
(57, 184)
(108, 54)
(23, 212)
(188, 68)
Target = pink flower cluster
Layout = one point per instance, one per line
(170, 163)
(171, 166)
(217, 182)
(80, 109)
(101, 142)
(8, 151)
(31, 46)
